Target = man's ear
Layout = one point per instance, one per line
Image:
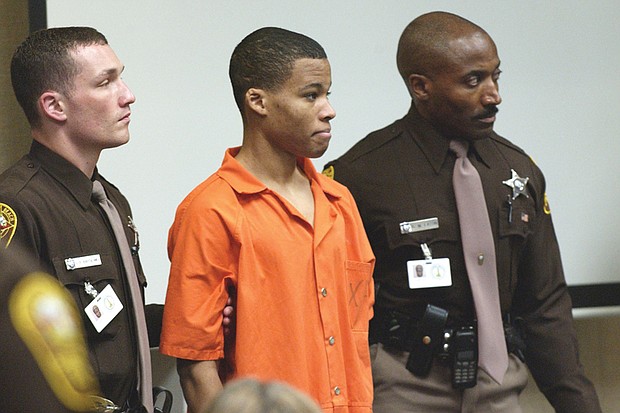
(255, 100)
(52, 106)
(419, 86)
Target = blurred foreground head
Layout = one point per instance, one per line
(43, 353)
(254, 396)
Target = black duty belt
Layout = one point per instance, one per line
(429, 337)
(399, 330)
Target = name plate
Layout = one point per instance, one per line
(83, 262)
(410, 227)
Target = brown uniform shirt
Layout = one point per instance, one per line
(24, 387)
(56, 219)
(403, 173)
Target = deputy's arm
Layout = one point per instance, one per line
(200, 383)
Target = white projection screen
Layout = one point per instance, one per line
(560, 87)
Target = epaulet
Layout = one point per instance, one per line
(505, 142)
(373, 141)
(368, 144)
(18, 175)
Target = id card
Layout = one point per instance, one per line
(102, 310)
(429, 273)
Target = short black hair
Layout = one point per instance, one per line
(265, 58)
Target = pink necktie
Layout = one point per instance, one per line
(144, 361)
(479, 252)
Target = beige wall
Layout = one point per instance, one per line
(598, 337)
(14, 130)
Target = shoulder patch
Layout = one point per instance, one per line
(329, 172)
(46, 318)
(8, 224)
(546, 206)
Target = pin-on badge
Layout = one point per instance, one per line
(518, 185)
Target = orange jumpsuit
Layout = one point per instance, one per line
(304, 293)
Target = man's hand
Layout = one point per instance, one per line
(228, 321)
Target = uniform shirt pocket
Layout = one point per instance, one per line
(519, 224)
(391, 272)
(513, 231)
(99, 276)
(359, 279)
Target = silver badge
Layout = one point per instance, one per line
(517, 184)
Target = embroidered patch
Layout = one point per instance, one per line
(329, 172)
(546, 206)
(8, 224)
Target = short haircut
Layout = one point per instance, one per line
(44, 62)
(423, 47)
(265, 58)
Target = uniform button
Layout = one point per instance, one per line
(337, 391)
(324, 292)
(30, 165)
(481, 259)
(332, 341)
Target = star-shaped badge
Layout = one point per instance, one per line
(517, 184)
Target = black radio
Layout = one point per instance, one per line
(464, 350)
